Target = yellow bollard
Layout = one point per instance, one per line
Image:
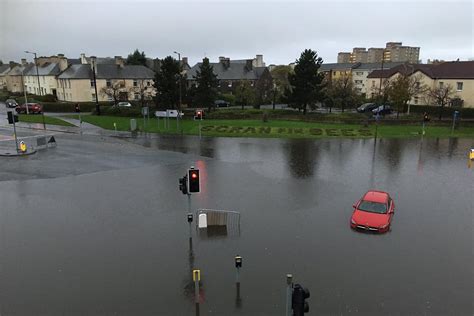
(23, 147)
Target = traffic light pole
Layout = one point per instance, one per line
(14, 132)
(289, 293)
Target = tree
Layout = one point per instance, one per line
(1, 62)
(403, 88)
(263, 89)
(306, 82)
(341, 92)
(167, 83)
(114, 90)
(441, 95)
(136, 58)
(280, 82)
(244, 93)
(144, 91)
(205, 92)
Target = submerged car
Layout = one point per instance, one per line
(33, 108)
(124, 104)
(11, 103)
(382, 110)
(373, 212)
(366, 107)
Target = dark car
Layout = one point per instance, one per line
(382, 110)
(34, 108)
(366, 107)
(11, 103)
(221, 103)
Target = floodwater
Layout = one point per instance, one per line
(116, 241)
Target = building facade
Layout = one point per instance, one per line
(393, 52)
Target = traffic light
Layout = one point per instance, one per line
(12, 118)
(193, 178)
(298, 300)
(183, 184)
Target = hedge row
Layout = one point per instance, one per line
(433, 111)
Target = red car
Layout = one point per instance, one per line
(373, 212)
(32, 108)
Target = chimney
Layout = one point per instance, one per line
(83, 59)
(119, 61)
(23, 61)
(184, 60)
(221, 58)
(62, 62)
(259, 61)
(248, 64)
(94, 64)
(225, 62)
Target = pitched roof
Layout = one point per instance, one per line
(373, 66)
(18, 70)
(107, 71)
(4, 69)
(446, 70)
(237, 70)
(337, 66)
(47, 69)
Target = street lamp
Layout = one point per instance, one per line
(39, 86)
(180, 70)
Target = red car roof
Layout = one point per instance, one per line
(376, 196)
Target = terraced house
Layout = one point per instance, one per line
(115, 81)
(459, 75)
(45, 70)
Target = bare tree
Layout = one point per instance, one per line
(113, 90)
(440, 95)
(144, 91)
(341, 92)
(403, 88)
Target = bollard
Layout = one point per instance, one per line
(238, 265)
(289, 293)
(196, 279)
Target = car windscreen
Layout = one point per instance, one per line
(373, 207)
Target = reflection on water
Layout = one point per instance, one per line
(302, 155)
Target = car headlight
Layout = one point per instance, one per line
(353, 221)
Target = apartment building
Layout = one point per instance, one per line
(393, 52)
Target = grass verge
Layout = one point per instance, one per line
(35, 118)
(276, 128)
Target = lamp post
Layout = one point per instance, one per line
(94, 67)
(180, 98)
(24, 90)
(39, 86)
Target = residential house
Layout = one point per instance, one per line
(46, 70)
(230, 73)
(14, 78)
(130, 82)
(4, 69)
(458, 74)
(361, 71)
(334, 71)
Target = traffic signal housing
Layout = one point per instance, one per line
(183, 184)
(198, 114)
(194, 181)
(12, 118)
(298, 300)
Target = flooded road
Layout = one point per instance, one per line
(105, 233)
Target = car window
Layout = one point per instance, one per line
(373, 207)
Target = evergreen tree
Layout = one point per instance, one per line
(306, 82)
(205, 92)
(136, 58)
(167, 84)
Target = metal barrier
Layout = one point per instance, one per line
(217, 223)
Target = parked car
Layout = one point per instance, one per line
(221, 103)
(33, 108)
(382, 110)
(11, 103)
(373, 212)
(366, 107)
(124, 104)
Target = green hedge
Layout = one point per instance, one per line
(433, 111)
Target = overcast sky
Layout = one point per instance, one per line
(279, 30)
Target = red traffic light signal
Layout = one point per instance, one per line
(194, 183)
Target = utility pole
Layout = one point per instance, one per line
(93, 62)
(39, 85)
(381, 74)
(24, 90)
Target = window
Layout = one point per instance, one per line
(373, 83)
(108, 83)
(93, 97)
(333, 73)
(92, 83)
(69, 83)
(137, 96)
(459, 86)
(358, 81)
(417, 84)
(148, 83)
(441, 84)
(44, 80)
(135, 83)
(109, 97)
(416, 100)
(359, 73)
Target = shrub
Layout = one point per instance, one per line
(433, 111)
